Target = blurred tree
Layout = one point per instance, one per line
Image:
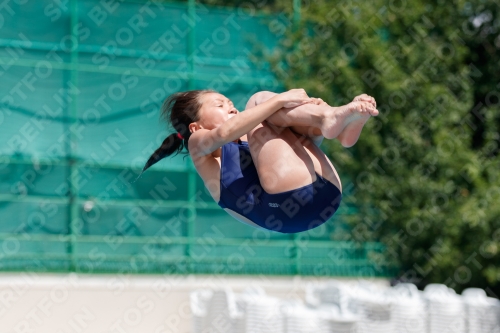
(424, 173)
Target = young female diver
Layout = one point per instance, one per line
(262, 165)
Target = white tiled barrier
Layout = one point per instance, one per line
(354, 307)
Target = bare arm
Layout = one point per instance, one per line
(286, 119)
(259, 98)
(203, 142)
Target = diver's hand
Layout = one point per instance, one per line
(318, 101)
(294, 97)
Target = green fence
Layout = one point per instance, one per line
(81, 86)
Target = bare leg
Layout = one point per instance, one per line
(281, 163)
(287, 118)
(314, 133)
(302, 119)
(317, 121)
(286, 161)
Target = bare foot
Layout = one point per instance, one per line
(347, 121)
(350, 135)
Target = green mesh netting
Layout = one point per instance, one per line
(81, 85)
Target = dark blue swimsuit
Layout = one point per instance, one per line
(288, 212)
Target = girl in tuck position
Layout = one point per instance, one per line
(263, 166)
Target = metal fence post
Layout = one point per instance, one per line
(296, 11)
(70, 142)
(191, 170)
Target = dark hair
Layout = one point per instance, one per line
(180, 110)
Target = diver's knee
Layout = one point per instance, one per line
(258, 98)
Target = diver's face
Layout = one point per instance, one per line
(215, 110)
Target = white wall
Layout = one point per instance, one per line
(61, 303)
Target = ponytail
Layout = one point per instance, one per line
(180, 110)
(172, 144)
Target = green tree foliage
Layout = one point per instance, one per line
(425, 172)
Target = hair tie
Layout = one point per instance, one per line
(180, 136)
